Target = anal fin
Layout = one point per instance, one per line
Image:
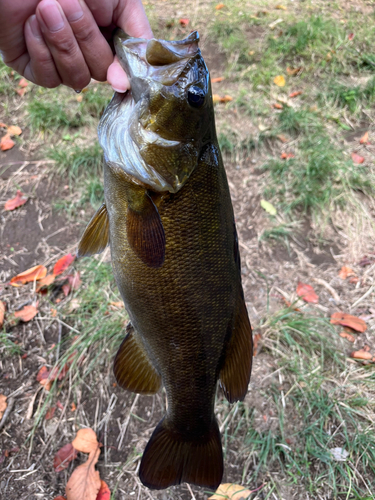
(235, 374)
(96, 235)
(133, 369)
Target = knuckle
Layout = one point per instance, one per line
(86, 35)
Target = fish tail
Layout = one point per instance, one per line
(170, 458)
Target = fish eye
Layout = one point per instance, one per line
(196, 96)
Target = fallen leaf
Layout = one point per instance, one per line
(351, 36)
(280, 7)
(60, 498)
(27, 313)
(218, 79)
(3, 404)
(345, 272)
(74, 280)
(352, 322)
(63, 264)
(104, 492)
(2, 313)
(118, 305)
(84, 483)
(64, 456)
(282, 138)
(66, 289)
(219, 6)
(277, 105)
(357, 158)
(50, 413)
(256, 339)
(365, 261)
(364, 139)
(43, 374)
(79, 98)
(59, 405)
(73, 407)
(293, 71)
(279, 80)
(23, 83)
(361, 354)
(268, 207)
(184, 21)
(47, 281)
(231, 492)
(19, 200)
(33, 274)
(307, 293)
(296, 93)
(14, 130)
(354, 279)
(223, 99)
(3, 125)
(347, 336)
(21, 92)
(6, 142)
(85, 440)
(286, 156)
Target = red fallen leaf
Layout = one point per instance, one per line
(351, 36)
(286, 156)
(6, 142)
(19, 200)
(217, 79)
(364, 139)
(307, 293)
(277, 105)
(184, 21)
(32, 274)
(66, 289)
(345, 272)
(23, 83)
(27, 313)
(63, 264)
(2, 313)
(48, 280)
(59, 405)
(21, 92)
(60, 498)
(354, 279)
(24, 356)
(352, 322)
(43, 374)
(347, 336)
(50, 413)
(73, 406)
(74, 280)
(64, 456)
(296, 93)
(256, 339)
(357, 158)
(361, 354)
(104, 492)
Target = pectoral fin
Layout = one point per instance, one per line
(96, 235)
(133, 369)
(235, 375)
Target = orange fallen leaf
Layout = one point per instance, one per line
(3, 125)
(279, 80)
(64, 456)
(2, 313)
(118, 305)
(47, 281)
(256, 340)
(223, 99)
(21, 92)
(27, 313)
(219, 6)
(73, 407)
(282, 138)
(361, 354)
(104, 492)
(19, 200)
(280, 7)
(347, 336)
(79, 98)
(63, 264)
(184, 21)
(14, 130)
(307, 293)
(84, 483)
(85, 440)
(231, 492)
(3, 404)
(345, 272)
(293, 71)
(23, 83)
(357, 158)
(6, 143)
(286, 156)
(277, 105)
(364, 139)
(218, 79)
(33, 274)
(352, 322)
(296, 93)
(351, 36)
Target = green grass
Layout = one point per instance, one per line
(352, 98)
(46, 114)
(77, 161)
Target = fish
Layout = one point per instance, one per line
(169, 221)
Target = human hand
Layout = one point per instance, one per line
(52, 42)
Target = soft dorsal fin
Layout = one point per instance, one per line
(235, 374)
(133, 369)
(96, 235)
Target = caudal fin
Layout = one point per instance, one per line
(169, 458)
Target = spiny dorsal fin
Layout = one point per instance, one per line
(235, 375)
(96, 235)
(133, 369)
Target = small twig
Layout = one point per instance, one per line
(126, 423)
(7, 411)
(58, 341)
(363, 297)
(191, 491)
(331, 290)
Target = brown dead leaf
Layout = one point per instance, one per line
(352, 322)
(357, 158)
(364, 139)
(47, 281)
(293, 71)
(117, 305)
(280, 7)
(50, 413)
(84, 483)
(64, 456)
(73, 406)
(19, 200)
(346, 271)
(279, 80)
(256, 340)
(217, 79)
(222, 99)
(282, 138)
(27, 313)
(219, 6)
(184, 21)
(307, 293)
(361, 354)
(296, 93)
(33, 274)
(2, 313)
(277, 105)
(3, 405)
(85, 440)
(347, 336)
(14, 130)
(286, 156)
(74, 280)
(6, 142)
(231, 492)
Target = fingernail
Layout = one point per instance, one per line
(51, 15)
(120, 91)
(34, 26)
(73, 11)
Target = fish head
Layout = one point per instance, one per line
(168, 115)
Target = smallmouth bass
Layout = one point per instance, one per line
(169, 220)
